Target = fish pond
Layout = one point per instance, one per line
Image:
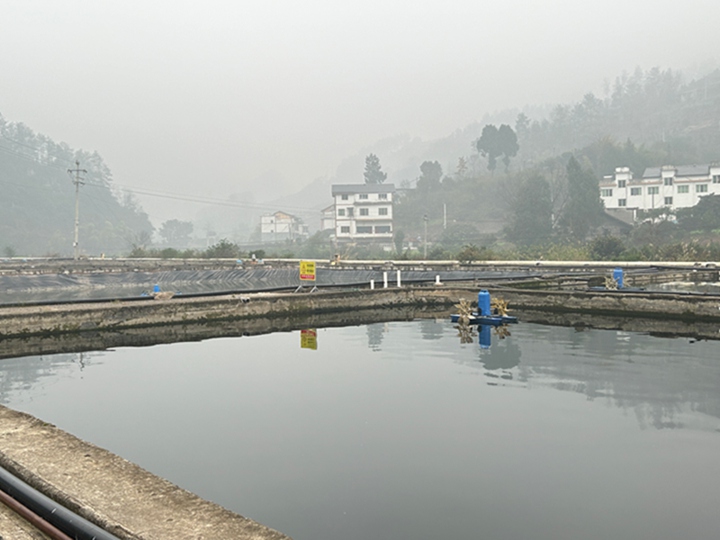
(406, 430)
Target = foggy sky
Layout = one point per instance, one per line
(207, 97)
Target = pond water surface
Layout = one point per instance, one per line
(399, 430)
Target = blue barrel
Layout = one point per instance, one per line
(156, 288)
(484, 303)
(618, 277)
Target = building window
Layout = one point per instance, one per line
(382, 229)
(363, 196)
(621, 183)
(345, 229)
(350, 212)
(701, 188)
(382, 211)
(635, 191)
(606, 192)
(344, 197)
(341, 211)
(668, 201)
(716, 178)
(622, 202)
(364, 229)
(654, 190)
(683, 189)
(668, 181)
(383, 196)
(364, 212)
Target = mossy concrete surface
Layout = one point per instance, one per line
(109, 491)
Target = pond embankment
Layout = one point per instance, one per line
(132, 503)
(82, 318)
(118, 496)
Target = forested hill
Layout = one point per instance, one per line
(652, 108)
(656, 109)
(37, 205)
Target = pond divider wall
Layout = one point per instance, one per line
(57, 319)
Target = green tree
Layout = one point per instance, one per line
(531, 221)
(431, 174)
(704, 216)
(507, 141)
(494, 143)
(373, 172)
(175, 232)
(398, 240)
(224, 249)
(522, 125)
(606, 248)
(462, 167)
(584, 209)
(488, 145)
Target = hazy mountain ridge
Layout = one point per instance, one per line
(38, 199)
(653, 108)
(648, 107)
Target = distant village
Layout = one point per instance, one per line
(363, 213)
(359, 213)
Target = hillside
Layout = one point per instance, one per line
(38, 200)
(665, 119)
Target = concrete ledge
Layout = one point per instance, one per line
(52, 320)
(113, 493)
(679, 307)
(87, 317)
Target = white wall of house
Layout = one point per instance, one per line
(664, 187)
(280, 226)
(327, 219)
(364, 211)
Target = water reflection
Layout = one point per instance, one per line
(552, 432)
(432, 328)
(375, 335)
(22, 376)
(660, 380)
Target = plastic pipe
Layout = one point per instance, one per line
(59, 516)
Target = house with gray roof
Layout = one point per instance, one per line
(668, 187)
(364, 212)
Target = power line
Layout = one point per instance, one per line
(156, 193)
(207, 200)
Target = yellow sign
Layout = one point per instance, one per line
(308, 339)
(307, 270)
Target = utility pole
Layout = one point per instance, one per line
(425, 219)
(77, 181)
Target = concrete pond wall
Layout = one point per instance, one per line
(133, 503)
(80, 318)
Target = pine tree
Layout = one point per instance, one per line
(373, 172)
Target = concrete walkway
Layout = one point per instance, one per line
(115, 494)
(13, 527)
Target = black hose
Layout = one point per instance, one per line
(59, 516)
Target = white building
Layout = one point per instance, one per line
(279, 227)
(660, 187)
(364, 211)
(327, 218)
